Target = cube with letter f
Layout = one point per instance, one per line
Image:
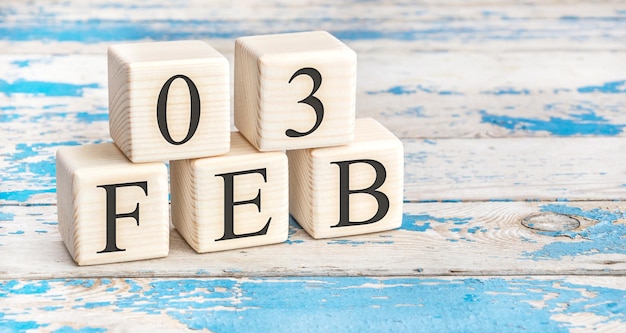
(109, 209)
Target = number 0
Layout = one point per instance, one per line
(311, 100)
(194, 120)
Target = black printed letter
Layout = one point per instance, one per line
(345, 191)
(112, 215)
(229, 204)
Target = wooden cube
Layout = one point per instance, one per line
(294, 90)
(231, 201)
(109, 209)
(351, 189)
(168, 100)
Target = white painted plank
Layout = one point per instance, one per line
(435, 170)
(435, 239)
(420, 95)
(499, 94)
(549, 169)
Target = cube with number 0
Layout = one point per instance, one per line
(169, 100)
(295, 90)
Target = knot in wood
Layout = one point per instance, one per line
(550, 222)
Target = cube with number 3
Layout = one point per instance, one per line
(295, 90)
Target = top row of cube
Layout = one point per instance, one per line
(171, 100)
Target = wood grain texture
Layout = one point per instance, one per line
(533, 80)
(567, 169)
(431, 25)
(168, 99)
(350, 189)
(294, 91)
(314, 304)
(96, 186)
(435, 239)
(236, 200)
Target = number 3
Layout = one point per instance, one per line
(311, 100)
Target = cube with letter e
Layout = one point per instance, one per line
(236, 200)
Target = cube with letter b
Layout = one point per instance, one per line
(351, 189)
(231, 201)
(167, 100)
(109, 209)
(294, 90)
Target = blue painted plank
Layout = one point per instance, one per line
(315, 304)
(420, 23)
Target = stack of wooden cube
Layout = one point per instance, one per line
(299, 151)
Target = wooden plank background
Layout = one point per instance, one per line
(512, 116)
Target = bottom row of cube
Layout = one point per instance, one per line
(112, 210)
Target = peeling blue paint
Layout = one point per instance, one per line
(528, 240)
(414, 111)
(86, 117)
(86, 283)
(10, 325)
(23, 195)
(474, 230)
(67, 329)
(51, 308)
(294, 228)
(21, 63)
(614, 87)
(54, 106)
(20, 163)
(14, 287)
(354, 304)
(134, 287)
(410, 90)
(585, 124)
(44, 88)
(501, 200)
(606, 236)
(421, 222)
(507, 91)
(96, 30)
(5, 118)
(92, 305)
(357, 243)
(6, 216)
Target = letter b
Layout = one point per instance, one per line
(345, 192)
(351, 189)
